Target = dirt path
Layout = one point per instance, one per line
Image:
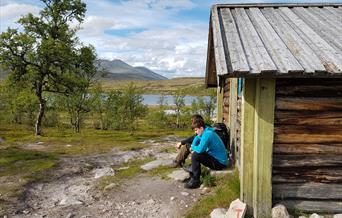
(70, 192)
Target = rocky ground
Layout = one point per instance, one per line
(70, 191)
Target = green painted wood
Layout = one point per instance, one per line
(263, 143)
(233, 111)
(247, 143)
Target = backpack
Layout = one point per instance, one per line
(223, 132)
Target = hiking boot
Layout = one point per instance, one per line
(192, 184)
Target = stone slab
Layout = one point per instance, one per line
(156, 163)
(179, 175)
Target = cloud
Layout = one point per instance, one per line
(15, 10)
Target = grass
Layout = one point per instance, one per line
(123, 173)
(189, 85)
(227, 190)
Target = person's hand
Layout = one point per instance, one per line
(178, 145)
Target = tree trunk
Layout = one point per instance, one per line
(77, 122)
(38, 125)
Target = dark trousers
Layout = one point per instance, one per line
(205, 159)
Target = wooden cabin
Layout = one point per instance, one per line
(278, 72)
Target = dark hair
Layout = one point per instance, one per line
(197, 122)
(196, 117)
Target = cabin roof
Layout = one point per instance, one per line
(274, 40)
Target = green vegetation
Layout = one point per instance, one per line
(46, 55)
(227, 190)
(123, 173)
(190, 86)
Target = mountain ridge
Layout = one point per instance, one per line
(120, 70)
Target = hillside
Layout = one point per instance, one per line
(116, 70)
(119, 70)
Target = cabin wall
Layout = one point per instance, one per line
(307, 148)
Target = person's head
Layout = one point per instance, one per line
(198, 125)
(196, 117)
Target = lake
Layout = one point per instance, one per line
(153, 99)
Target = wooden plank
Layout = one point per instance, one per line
(308, 191)
(309, 104)
(263, 141)
(220, 57)
(257, 56)
(331, 19)
(264, 5)
(288, 82)
(334, 148)
(247, 142)
(330, 33)
(309, 161)
(233, 111)
(236, 54)
(281, 55)
(334, 12)
(324, 90)
(313, 206)
(307, 134)
(308, 118)
(331, 60)
(210, 73)
(220, 105)
(306, 57)
(298, 175)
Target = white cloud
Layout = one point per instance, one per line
(15, 10)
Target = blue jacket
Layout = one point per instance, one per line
(212, 144)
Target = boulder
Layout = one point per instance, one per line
(237, 209)
(220, 172)
(70, 201)
(279, 211)
(315, 215)
(179, 175)
(156, 163)
(106, 171)
(218, 213)
(338, 215)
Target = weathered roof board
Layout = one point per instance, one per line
(277, 40)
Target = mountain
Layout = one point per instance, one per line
(119, 70)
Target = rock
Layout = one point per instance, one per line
(315, 215)
(302, 217)
(237, 209)
(123, 168)
(110, 186)
(205, 190)
(220, 172)
(185, 193)
(151, 201)
(279, 211)
(26, 211)
(218, 213)
(40, 143)
(68, 145)
(106, 171)
(172, 198)
(70, 215)
(70, 201)
(157, 163)
(1, 141)
(338, 215)
(202, 186)
(179, 175)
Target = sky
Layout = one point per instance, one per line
(166, 36)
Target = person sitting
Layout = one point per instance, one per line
(208, 149)
(184, 145)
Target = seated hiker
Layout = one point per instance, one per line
(184, 145)
(210, 151)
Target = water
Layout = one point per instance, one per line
(153, 99)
